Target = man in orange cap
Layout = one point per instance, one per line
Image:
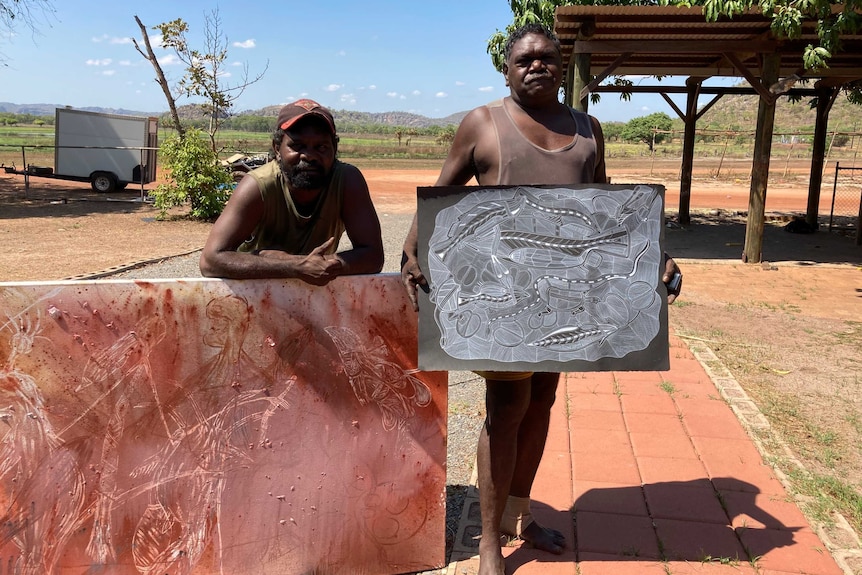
(285, 219)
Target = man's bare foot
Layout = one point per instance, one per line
(544, 538)
(490, 557)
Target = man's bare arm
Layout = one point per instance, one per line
(362, 226)
(458, 169)
(600, 175)
(236, 224)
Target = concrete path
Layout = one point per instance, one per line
(654, 473)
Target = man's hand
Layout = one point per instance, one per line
(316, 268)
(412, 277)
(671, 270)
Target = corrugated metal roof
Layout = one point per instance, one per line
(669, 40)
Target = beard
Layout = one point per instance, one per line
(304, 176)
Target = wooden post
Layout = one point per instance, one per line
(692, 90)
(859, 222)
(825, 98)
(752, 252)
(580, 78)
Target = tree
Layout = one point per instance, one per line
(160, 76)
(204, 74)
(446, 135)
(23, 12)
(194, 176)
(194, 172)
(647, 129)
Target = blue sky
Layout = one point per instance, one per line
(427, 58)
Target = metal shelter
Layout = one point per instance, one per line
(602, 41)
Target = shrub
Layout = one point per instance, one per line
(194, 176)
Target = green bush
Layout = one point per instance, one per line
(194, 176)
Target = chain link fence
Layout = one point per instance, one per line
(846, 212)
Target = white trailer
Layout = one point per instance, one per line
(108, 150)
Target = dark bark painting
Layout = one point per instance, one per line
(543, 278)
(217, 427)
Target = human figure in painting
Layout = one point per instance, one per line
(285, 218)
(527, 138)
(37, 516)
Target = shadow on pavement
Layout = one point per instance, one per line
(720, 235)
(697, 521)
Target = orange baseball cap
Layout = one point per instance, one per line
(292, 113)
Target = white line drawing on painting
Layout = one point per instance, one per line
(185, 479)
(375, 378)
(123, 372)
(122, 443)
(531, 274)
(40, 474)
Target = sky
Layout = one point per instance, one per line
(422, 57)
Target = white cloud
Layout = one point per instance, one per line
(392, 94)
(347, 99)
(333, 87)
(415, 93)
(645, 108)
(111, 39)
(460, 83)
(341, 53)
(99, 62)
(486, 89)
(124, 63)
(169, 60)
(295, 98)
(250, 43)
(441, 95)
(108, 72)
(372, 87)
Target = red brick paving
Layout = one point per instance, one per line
(653, 474)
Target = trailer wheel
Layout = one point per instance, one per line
(103, 182)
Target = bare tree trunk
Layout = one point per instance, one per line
(160, 76)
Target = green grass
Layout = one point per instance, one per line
(828, 494)
(414, 147)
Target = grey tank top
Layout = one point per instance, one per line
(524, 163)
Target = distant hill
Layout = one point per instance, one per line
(730, 112)
(48, 110)
(740, 112)
(193, 112)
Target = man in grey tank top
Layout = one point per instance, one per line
(527, 138)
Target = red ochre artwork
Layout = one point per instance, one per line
(218, 427)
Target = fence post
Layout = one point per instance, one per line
(26, 171)
(834, 191)
(859, 221)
